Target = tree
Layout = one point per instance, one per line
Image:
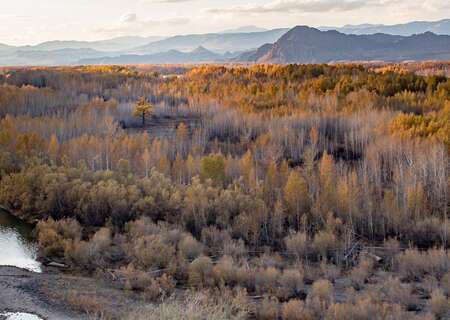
(142, 109)
(146, 160)
(213, 167)
(296, 195)
(53, 148)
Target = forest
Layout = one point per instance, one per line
(292, 192)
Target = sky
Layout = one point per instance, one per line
(34, 21)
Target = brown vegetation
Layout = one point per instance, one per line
(310, 192)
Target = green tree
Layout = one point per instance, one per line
(143, 109)
(213, 167)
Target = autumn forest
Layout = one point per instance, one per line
(292, 192)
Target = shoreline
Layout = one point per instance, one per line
(21, 290)
(54, 294)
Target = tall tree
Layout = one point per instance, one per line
(143, 109)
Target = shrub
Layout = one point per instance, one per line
(101, 240)
(329, 271)
(224, 271)
(214, 239)
(135, 279)
(268, 309)
(297, 244)
(294, 310)
(445, 283)
(190, 248)
(392, 290)
(152, 252)
(144, 226)
(200, 272)
(55, 236)
(414, 265)
(320, 297)
(323, 244)
(391, 250)
(246, 277)
(291, 282)
(439, 304)
(361, 272)
(235, 248)
(323, 290)
(366, 309)
(266, 280)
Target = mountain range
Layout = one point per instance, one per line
(405, 29)
(199, 55)
(139, 49)
(418, 40)
(115, 44)
(219, 42)
(303, 44)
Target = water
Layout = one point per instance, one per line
(17, 246)
(20, 316)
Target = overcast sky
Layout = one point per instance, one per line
(34, 21)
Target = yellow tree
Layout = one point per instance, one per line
(178, 169)
(327, 178)
(271, 182)
(146, 160)
(296, 196)
(53, 149)
(190, 167)
(143, 109)
(182, 138)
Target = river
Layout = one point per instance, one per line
(17, 245)
(18, 249)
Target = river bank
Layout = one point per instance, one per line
(25, 291)
(31, 286)
(54, 295)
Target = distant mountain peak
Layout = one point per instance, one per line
(201, 49)
(303, 44)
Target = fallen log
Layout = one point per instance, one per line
(57, 265)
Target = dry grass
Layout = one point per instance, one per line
(198, 306)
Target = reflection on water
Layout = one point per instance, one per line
(17, 247)
(20, 316)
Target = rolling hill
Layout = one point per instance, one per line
(199, 55)
(115, 44)
(46, 58)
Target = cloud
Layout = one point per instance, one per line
(128, 17)
(130, 23)
(165, 1)
(295, 6)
